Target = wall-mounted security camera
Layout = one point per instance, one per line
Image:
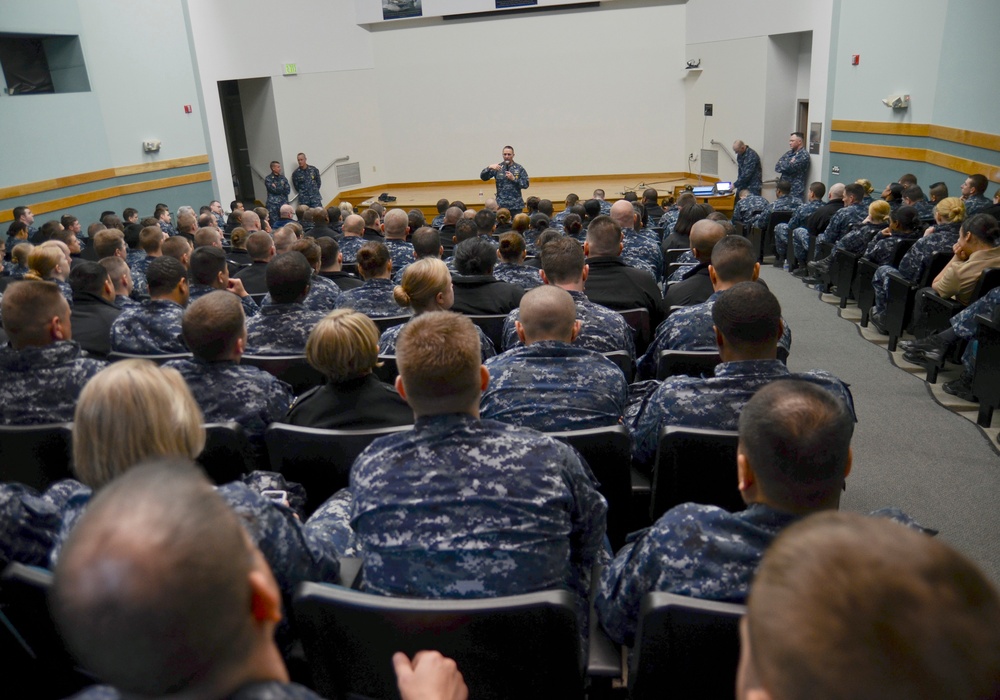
(897, 101)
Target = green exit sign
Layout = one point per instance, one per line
(291, 69)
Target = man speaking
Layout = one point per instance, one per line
(511, 178)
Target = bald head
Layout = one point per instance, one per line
(452, 215)
(250, 221)
(837, 190)
(287, 211)
(284, 239)
(704, 235)
(354, 225)
(547, 313)
(395, 223)
(623, 214)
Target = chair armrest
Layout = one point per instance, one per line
(605, 658)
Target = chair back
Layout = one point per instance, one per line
(624, 362)
(386, 322)
(492, 326)
(524, 646)
(158, 359)
(36, 455)
(671, 255)
(258, 299)
(389, 369)
(685, 648)
(319, 459)
(691, 363)
(695, 465)
(638, 321)
(292, 369)
(773, 219)
(226, 451)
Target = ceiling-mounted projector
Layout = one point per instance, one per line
(897, 101)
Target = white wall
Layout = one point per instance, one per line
(261, 120)
(781, 98)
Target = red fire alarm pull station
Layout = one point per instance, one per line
(187, 109)
(855, 59)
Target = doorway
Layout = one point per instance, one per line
(236, 141)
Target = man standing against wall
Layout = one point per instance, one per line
(511, 178)
(794, 165)
(307, 182)
(277, 190)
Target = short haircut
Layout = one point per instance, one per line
(319, 216)
(212, 324)
(259, 245)
(733, 259)
(208, 237)
(250, 219)
(485, 221)
(783, 186)
(396, 222)
(130, 411)
(186, 223)
(545, 207)
(562, 260)
(175, 614)
(908, 180)
(796, 436)
(116, 268)
(26, 306)
(415, 219)
(895, 191)
(475, 256)
(309, 248)
(980, 182)
(705, 235)
(112, 221)
(439, 357)
(343, 345)
(984, 227)
(799, 134)
(426, 242)
(442, 205)
(370, 217)
(67, 220)
(108, 242)
(849, 606)
(511, 246)
(175, 247)
(531, 203)
(913, 193)
(206, 264)
(373, 258)
(465, 229)
(547, 313)
(649, 196)
(907, 217)
(88, 278)
(333, 214)
(129, 212)
(328, 251)
(422, 281)
(856, 191)
(163, 275)
(938, 191)
(818, 189)
(950, 209)
(749, 316)
(288, 277)
(151, 239)
(604, 237)
(284, 238)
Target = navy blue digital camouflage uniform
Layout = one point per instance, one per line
(786, 203)
(67, 291)
(228, 391)
(916, 260)
(523, 276)
(387, 342)
(693, 550)
(401, 253)
(925, 210)
(124, 302)
(307, 183)
(281, 329)
(167, 228)
(152, 328)
(349, 247)
(690, 328)
(323, 295)
(601, 329)
(857, 239)
(256, 690)
(749, 173)
(554, 386)
(640, 251)
(881, 248)
(250, 307)
(975, 204)
(748, 210)
(373, 299)
(842, 222)
(797, 221)
(669, 220)
(712, 402)
(437, 222)
(140, 286)
(278, 190)
(794, 167)
(508, 191)
(30, 521)
(965, 325)
(465, 508)
(42, 384)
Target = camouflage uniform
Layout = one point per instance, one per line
(601, 329)
(7, 269)
(228, 391)
(323, 295)
(786, 203)
(508, 191)
(250, 307)
(466, 508)
(138, 269)
(713, 402)
(554, 386)
(976, 203)
(256, 690)
(349, 247)
(168, 228)
(794, 167)
(643, 253)
(881, 248)
(30, 521)
(798, 220)
(401, 253)
(41, 384)
(373, 299)
(331, 522)
(437, 222)
(916, 260)
(856, 241)
(278, 190)
(690, 328)
(281, 329)
(16, 271)
(687, 262)
(749, 173)
(669, 220)
(523, 276)
(965, 325)
(307, 183)
(925, 210)
(387, 342)
(66, 290)
(748, 209)
(133, 256)
(152, 328)
(605, 207)
(842, 222)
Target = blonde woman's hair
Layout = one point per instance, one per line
(879, 211)
(867, 184)
(129, 412)
(238, 239)
(422, 281)
(950, 209)
(42, 260)
(343, 345)
(19, 253)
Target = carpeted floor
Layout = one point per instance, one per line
(910, 451)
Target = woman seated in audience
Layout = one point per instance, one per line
(374, 297)
(238, 253)
(17, 233)
(48, 263)
(573, 227)
(511, 255)
(344, 347)
(19, 259)
(681, 237)
(265, 218)
(503, 221)
(521, 224)
(904, 224)
(426, 286)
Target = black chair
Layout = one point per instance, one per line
(386, 322)
(902, 293)
(691, 363)
(843, 269)
(158, 359)
(986, 379)
(293, 369)
(318, 459)
(492, 327)
(36, 455)
(29, 641)
(624, 362)
(608, 452)
(695, 465)
(258, 298)
(685, 648)
(226, 453)
(767, 238)
(389, 370)
(865, 292)
(525, 646)
(638, 321)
